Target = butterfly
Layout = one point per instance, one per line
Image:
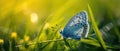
(77, 27)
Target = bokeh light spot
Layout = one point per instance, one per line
(34, 17)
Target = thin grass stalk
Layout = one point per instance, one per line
(94, 25)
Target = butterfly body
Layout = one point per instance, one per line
(77, 27)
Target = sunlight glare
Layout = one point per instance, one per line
(34, 17)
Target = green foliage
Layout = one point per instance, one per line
(34, 25)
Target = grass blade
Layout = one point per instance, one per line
(94, 25)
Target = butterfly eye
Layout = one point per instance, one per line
(61, 31)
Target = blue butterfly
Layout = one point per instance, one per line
(77, 27)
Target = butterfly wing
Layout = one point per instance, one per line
(75, 27)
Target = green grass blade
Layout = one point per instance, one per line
(94, 25)
(67, 44)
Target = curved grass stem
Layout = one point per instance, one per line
(94, 25)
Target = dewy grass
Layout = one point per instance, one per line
(94, 25)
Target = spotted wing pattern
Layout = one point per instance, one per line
(77, 27)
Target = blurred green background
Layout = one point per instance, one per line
(26, 25)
